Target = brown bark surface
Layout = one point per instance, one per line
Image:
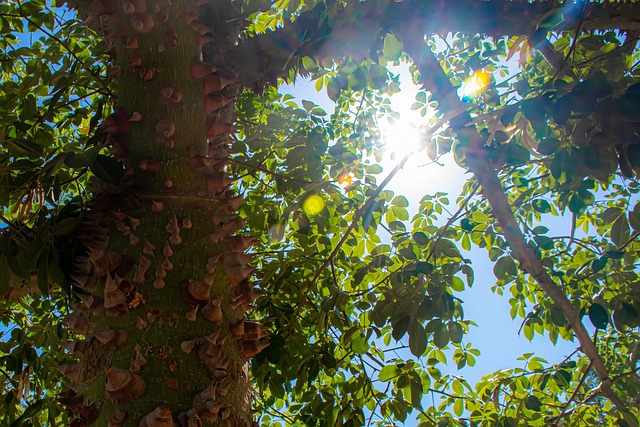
(165, 283)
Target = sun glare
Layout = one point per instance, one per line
(473, 86)
(402, 135)
(400, 138)
(313, 205)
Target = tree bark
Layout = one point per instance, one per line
(165, 282)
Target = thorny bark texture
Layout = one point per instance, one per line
(433, 79)
(165, 282)
(355, 29)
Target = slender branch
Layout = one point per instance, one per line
(452, 219)
(433, 78)
(572, 49)
(84, 66)
(363, 209)
(573, 395)
(319, 33)
(554, 58)
(265, 170)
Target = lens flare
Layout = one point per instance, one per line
(313, 205)
(346, 179)
(475, 85)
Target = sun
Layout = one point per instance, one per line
(408, 114)
(401, 138)
(405, 139)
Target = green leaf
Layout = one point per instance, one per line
(634, 217)
(400, 201)
(32, 410)
(417, 338)
(599, 264)
(416, 393)
(23, 147)
(334, 86)
(424, 267)
(540, 230)
(66, 226)
(548, 146)
(455, 332)
(441, 336)
(505, 268)
(4, 275)
(388, 373)
(458, 407)
(625, 317)
(533, 403)
(620, 231)
(318, 112)
(610, 214)
(400, 327)
(392, 48)
(598, 316)
(309, 64)
(329, 361)
(360, 344)
(377, 77)
(308, 105)
(480, 217)
(614, 254)
(468, 271)
(108, 169)
(420, 238)
(541, 205)
(562, 378)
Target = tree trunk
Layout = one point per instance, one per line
(166, 282)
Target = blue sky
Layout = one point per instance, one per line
(496, 335)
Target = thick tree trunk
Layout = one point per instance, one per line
(165, 281)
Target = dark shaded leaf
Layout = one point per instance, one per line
(598, 316)
(533, 403)
(417, 338)
(108, 169)
(441, 336)
(620, 231)
(400, 327)
(455, 332)
(599, 264)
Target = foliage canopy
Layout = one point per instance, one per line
(361, 300)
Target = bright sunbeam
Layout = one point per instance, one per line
(406, 135)
(474, 85)
(400, 138)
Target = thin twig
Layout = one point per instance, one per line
(84, 66)
(452, 219)
(360, 212)
(573, 395)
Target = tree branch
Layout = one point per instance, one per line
(332, 31)
(573, 395)
(360, 212)
(433, 78)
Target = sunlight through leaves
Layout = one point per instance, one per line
(475, 85)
